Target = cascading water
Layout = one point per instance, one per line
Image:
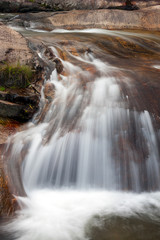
(87, 129)
(90, 144)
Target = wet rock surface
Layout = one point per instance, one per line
(135, 61)
(130, 59)
(136, 55)
(17, 101)
(7, 200)
(115, 226)
(49, 91)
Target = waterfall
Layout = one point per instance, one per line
(89, 147)
(89, 138)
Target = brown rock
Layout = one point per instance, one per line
(8, 203)
(13, 47)
(59, 65)
(49, 54)
(65, 5)
(147, 19)
(18, 104)
(96, 4)
(49, 91)
(20, 100)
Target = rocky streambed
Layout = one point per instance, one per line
(27, 54)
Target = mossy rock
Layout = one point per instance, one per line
(15, 76)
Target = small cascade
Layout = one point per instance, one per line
(92, 150)
(89, 138)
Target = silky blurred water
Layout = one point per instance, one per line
(88, 161)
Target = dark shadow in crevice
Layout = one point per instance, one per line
(127, 8)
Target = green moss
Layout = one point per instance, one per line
(15, 76)
(2, 88)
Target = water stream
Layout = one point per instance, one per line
(91, 164)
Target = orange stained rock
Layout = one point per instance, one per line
(7, 202)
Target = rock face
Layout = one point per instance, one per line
(18, 107)
(44, 5)
(7, 201)
(146, 19)
(18, 100)
(21, 6)
(13, 47)
(95, 4)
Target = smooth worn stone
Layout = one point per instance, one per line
(142, 19)
(148, 19)
(59, 65)
(49, 91)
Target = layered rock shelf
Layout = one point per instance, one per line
(65, 5)
(148, 19)
(114, 19)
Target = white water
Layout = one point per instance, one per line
(80, 151)
(92, 150)
(70, 215)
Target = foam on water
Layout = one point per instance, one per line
(67, 214)
(156, 66)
